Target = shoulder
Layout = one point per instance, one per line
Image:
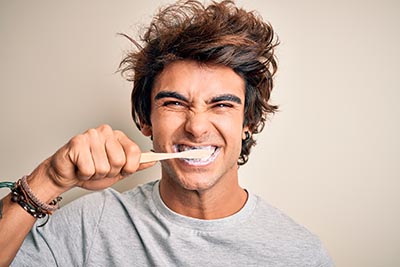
(93, 205)
(276, 219)
(288, 237)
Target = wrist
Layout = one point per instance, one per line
(42, 184)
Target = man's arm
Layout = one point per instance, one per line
(93, 160)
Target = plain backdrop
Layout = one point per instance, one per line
(329, 158)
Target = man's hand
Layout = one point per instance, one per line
(93, 160)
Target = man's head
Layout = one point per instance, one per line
(217, 34)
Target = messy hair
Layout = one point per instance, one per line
(217, 34)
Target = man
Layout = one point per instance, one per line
(202, 80)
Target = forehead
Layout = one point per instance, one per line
(195, 80)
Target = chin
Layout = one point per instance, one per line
(195, 182)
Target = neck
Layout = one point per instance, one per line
(222, 200)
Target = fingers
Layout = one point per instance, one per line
(96, 139)
(95, 160)
(115, 155)
(131, 152)
(103, 153)
(81, 159)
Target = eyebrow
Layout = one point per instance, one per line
(226, 97)
(216, 99)
(172, 94)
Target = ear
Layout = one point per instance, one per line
(146, 129)
(245, 129)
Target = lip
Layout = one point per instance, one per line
(198, 162)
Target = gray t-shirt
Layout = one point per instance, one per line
(136, 228)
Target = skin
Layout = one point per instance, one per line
(191, 105)
(199, 105)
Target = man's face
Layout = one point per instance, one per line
(196, 106)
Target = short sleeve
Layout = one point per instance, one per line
(67, 237)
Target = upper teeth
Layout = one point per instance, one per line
(184, 147)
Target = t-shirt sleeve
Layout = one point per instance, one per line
(67, 237)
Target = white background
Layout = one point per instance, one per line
(329, 158)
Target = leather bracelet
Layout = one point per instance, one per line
(43, 206)
(18, 196)
(23, 195)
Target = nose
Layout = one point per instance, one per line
(197, 124)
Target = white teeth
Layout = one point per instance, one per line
(185, 148)
(199, 162)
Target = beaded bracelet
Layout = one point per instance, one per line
(23, 195)
(20, 197)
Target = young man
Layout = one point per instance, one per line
(202, 80)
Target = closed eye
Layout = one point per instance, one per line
(223, 105)
(171, 99)
(172, 103)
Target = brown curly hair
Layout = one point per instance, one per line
(220, 33)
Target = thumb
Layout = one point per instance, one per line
(146, 165)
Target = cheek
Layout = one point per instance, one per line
(164, 124)
(233, 124)
(231, 131)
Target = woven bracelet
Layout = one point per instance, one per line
(43, 206)
(23, 195)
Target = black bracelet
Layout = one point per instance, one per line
(20, 197)
(21, 194)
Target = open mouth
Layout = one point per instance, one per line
(198, 162)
